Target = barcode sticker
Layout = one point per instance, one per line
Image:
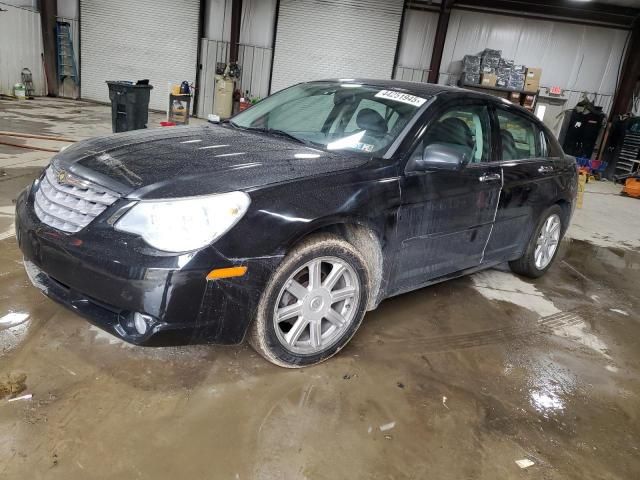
(401, 97)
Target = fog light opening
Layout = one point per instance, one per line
(142, 322)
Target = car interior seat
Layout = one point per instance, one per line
(509, 151)
(371, 121)
(453, 131)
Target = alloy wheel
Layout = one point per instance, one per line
(547, 243)
(316, 305)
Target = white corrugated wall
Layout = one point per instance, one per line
(254, 53)
(123, 40)
(416, 45)
(577, 58)
(256, 27)
(20, 47)
(335, 38)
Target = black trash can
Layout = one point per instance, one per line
(129, 105)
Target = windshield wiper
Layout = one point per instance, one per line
(282, 133)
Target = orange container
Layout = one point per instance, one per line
(632, 187)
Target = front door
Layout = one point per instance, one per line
(529, 174)
(446, 216)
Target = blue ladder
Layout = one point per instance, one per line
(66, 59)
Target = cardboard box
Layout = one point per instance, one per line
(488, 79)
(532, 86)
(534, 73)
(532, 79)
(528, 101)
(515, 97)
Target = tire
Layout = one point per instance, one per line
(291, 343)
(526, 265)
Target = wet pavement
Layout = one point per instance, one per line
(455, 381)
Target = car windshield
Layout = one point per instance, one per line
(334, 115)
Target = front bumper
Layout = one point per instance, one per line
(99, 275)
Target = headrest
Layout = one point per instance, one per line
(452, 130)
(371, 121)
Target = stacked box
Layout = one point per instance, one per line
(470, 78)
(488, 79)
(487, 70)
(503, 73)
(532, 79)
(490, 58)
(516, 81)
(471, 64)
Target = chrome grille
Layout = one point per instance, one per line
(68, 203)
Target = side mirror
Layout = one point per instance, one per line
(440, 156)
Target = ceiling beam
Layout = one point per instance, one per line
(592, 13)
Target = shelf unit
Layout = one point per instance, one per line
(629, 155)
(505, 93)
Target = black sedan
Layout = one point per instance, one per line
(287, 223)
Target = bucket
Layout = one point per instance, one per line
(19, 91)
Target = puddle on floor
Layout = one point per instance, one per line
(485, 369)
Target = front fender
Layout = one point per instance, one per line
(281, 215)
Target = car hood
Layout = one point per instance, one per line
(188, 161)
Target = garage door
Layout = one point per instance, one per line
(124, 40)
(335, 38)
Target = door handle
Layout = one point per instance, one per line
(489, 177)
(545, 169)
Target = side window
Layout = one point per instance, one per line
(544, 144)
(518, 135)
(548, 146)
(465, 126)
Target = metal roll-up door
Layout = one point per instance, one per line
(335, 39)
(124, 40)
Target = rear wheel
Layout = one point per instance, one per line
(313, 304)
(542, 247)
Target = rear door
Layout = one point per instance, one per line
(529, 184)
(445, 216)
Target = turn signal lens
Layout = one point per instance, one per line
(226, 273)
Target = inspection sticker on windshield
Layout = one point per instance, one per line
(401, 97)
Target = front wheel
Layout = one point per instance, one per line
(313, 304)
(542, 247)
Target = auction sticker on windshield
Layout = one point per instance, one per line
(401, 97)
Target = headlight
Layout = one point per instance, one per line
(184, 224)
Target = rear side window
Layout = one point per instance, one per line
(545, 149)
(518, 135)
(549, 148)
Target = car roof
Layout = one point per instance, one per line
(414, 88)
(420, 89)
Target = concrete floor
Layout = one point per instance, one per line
(456, 381)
